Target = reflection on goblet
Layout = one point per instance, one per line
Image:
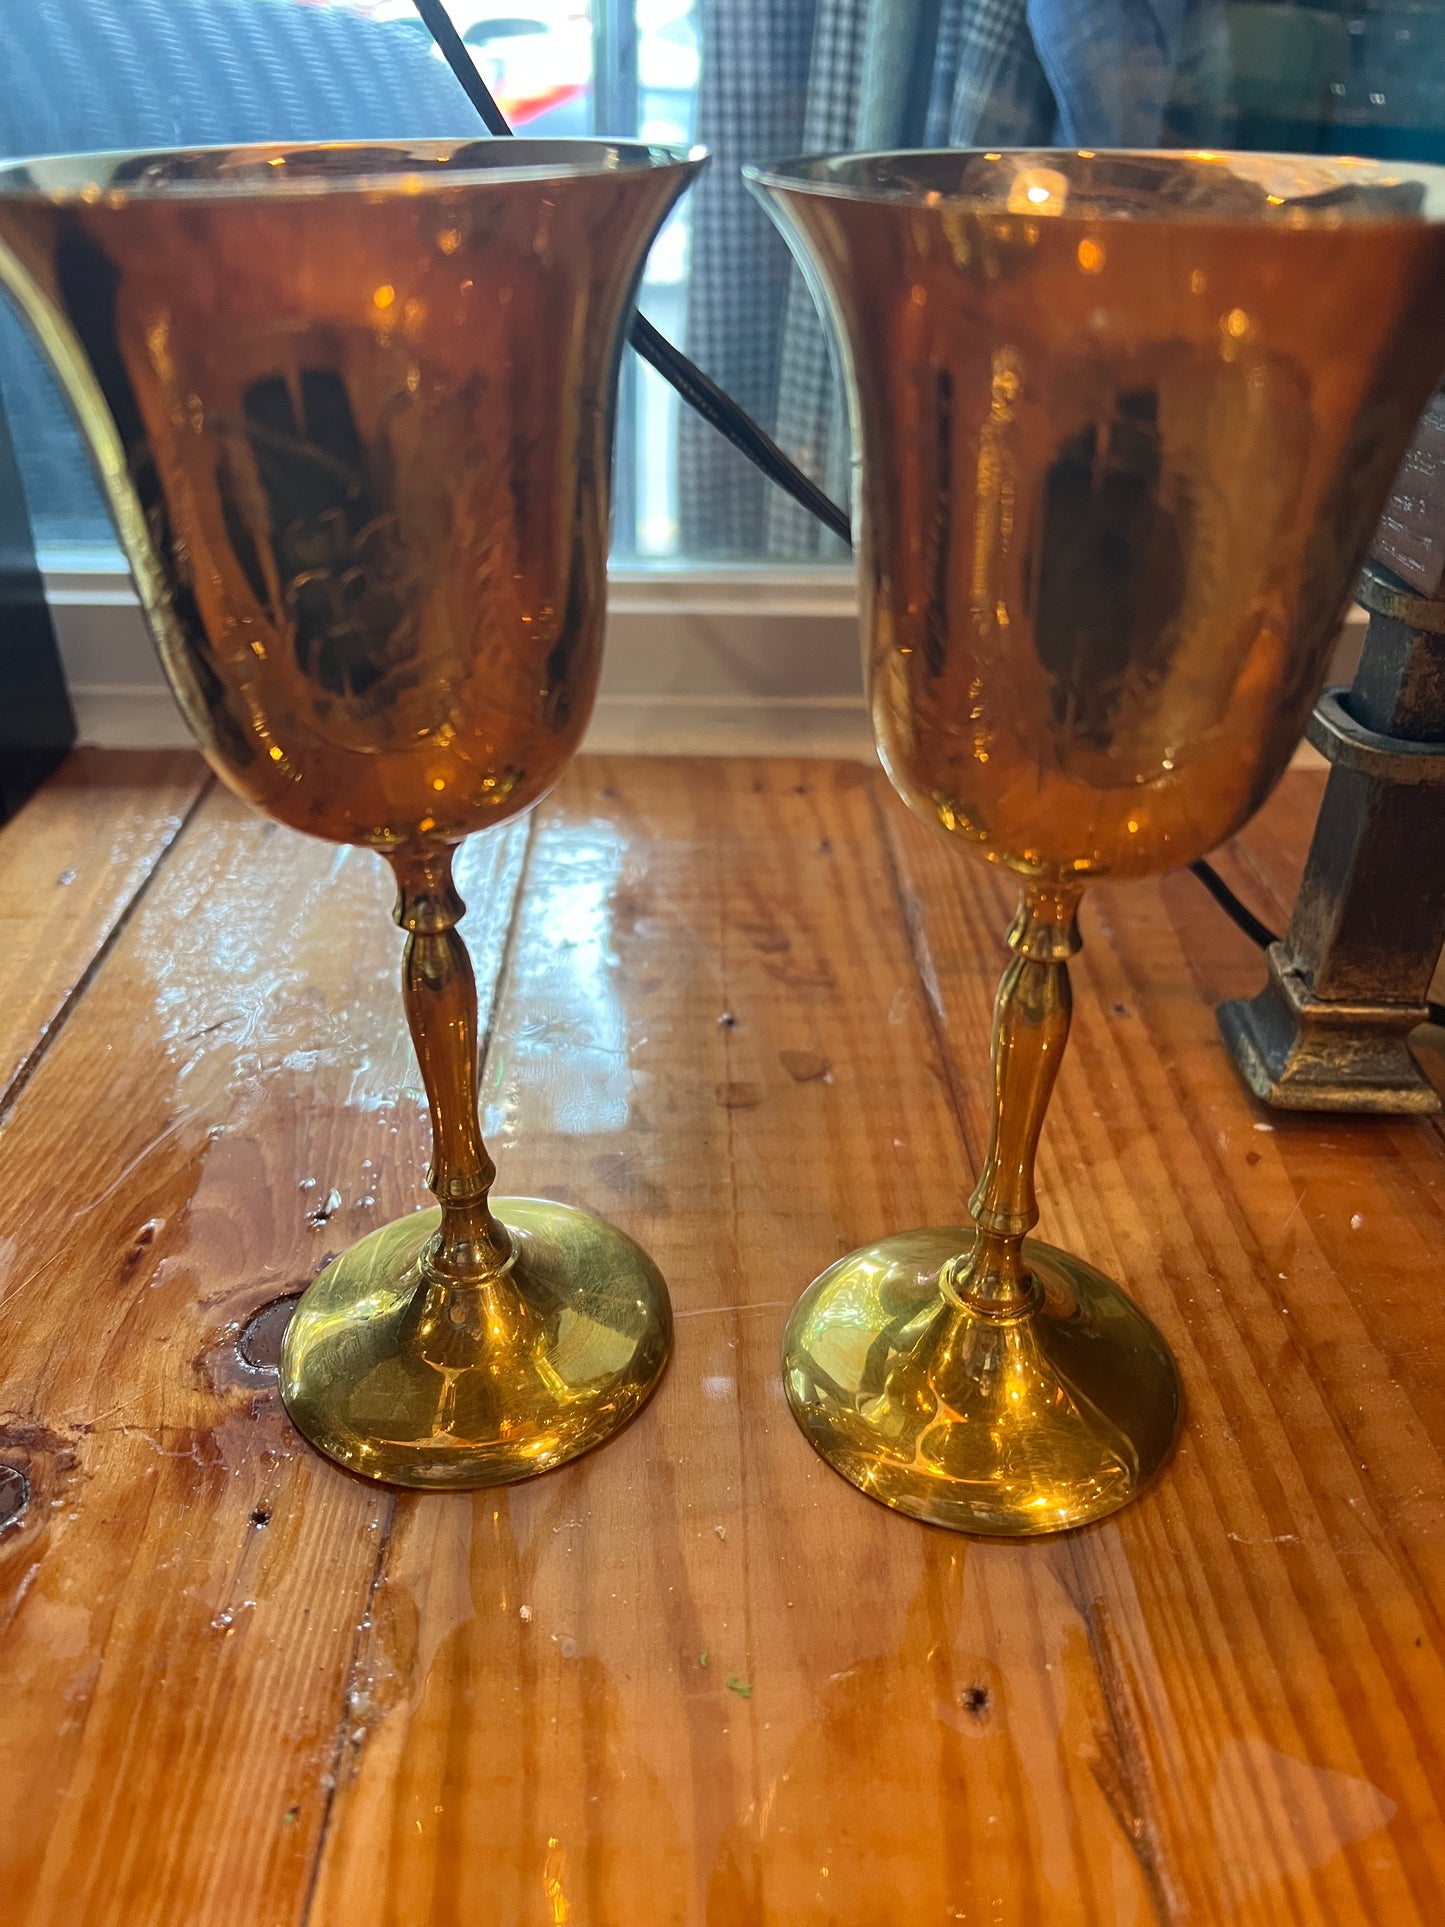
(1124, 426)
(352, 407)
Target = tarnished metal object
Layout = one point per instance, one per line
(1411, 536)
(1349, 982)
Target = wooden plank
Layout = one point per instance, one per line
(1269, 1618)
(1224, 1706)
(1264, 866)
(695, 1676)
(71, 863)
(181, 1594)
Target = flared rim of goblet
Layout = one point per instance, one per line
(273, 169)
(1201, 185)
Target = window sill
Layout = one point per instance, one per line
(721, 661)
(718, 661)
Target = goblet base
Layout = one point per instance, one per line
(418, 1381)
(1007, 1426)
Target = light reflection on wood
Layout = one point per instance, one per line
(675, 1682)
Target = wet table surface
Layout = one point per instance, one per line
(742, 1009)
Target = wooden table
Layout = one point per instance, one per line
(742, 1008)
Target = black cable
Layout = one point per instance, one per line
(1237, 912)
(698, 390)
(703, 395)
(438, 23)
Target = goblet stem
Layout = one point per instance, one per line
(1030, 1028)
(440, 993)
(466, 1347)
(993, 1383)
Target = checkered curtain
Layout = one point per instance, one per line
(752, 96)
(817, 75)
(809, 407)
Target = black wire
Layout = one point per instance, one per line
(703, 395)
(698, 390)
(1237, 912)
(438, 23)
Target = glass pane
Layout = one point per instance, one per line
(97, 74)
(788, 77)
(753, 80)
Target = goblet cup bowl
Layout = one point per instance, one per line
(352, 407)
(1123, 424)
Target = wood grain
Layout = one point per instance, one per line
(695, 1678)
(1264, 865)
(70, 865)
(181, 1596)
(1268, 1619)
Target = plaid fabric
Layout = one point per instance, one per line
(997, 73)
(864, 91)
(810, 421)
(947, 46)
(988, 89)
(778, 79)
(1000, 95)
(752, 96)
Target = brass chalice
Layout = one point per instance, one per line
(352, 408)
(1124, 425)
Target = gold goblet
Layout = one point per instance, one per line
(352, 407)
(1124, 425)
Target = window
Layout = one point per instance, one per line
(751, 79)
(155, 73)
(782, 77)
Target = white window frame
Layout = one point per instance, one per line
(699, 660)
